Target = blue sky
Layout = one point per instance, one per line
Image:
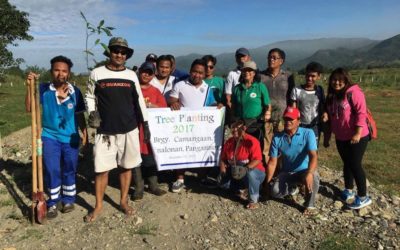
(201, 26)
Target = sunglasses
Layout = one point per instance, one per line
(274, 58)
(210, 66)
(119, 51)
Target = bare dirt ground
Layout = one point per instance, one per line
(198, 218)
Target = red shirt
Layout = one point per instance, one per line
(151, 95)
(248, 150)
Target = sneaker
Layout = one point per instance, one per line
(52, 212)
(360, 203)
(69, 207)
(293, 191)
(177, 186)
(347, 195)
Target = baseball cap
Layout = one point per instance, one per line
(250, 65)
(151, 57)
(242, 51)
(119, 42)
(292, 113)
(147, 66)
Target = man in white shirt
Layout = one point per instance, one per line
(191, 93)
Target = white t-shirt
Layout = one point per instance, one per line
(191, 96)
(232, 80)
(309, 103)
(166, 88)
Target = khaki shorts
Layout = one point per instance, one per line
(111, 151)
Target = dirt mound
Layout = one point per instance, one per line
(198, 218)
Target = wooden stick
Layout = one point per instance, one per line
(39, 142)
(34, 138)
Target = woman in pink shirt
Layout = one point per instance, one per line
(347, 113)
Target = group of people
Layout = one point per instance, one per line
(275, 126)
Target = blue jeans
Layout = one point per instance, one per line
(252, 181)
(60, 162)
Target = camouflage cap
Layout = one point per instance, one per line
(119, 42)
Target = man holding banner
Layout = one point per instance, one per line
(192, 93)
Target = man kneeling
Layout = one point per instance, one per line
(298, 149)
(241, 163)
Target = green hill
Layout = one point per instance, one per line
(296, 50)
(383, 54)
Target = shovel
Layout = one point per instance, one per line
(41, 208)
(38, 208)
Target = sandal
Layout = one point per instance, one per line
(252, 205)
(92, 216)
(310, 211)
(127, 210)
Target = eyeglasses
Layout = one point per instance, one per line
(119, 51)
(210, 66)
(274, 58)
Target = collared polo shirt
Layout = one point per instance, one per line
(59, 121)
(191, 96)
(279, 89)
(232, 80)
(217, 84)
(294, 150)
(249, 102)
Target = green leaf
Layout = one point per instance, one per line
(83, 16)
(107, 31)
(105, 47)
(89, 52)
(110, 28)
(97, 41)
(101, 24)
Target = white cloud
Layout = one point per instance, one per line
(60, 24)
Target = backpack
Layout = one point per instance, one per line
(371, 124)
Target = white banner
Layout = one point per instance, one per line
(186, 138)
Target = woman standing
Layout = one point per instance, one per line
(250, 101)
(347, 112)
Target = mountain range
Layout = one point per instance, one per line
(330, 52)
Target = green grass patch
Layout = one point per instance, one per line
(146, 229)
(7, 202)
(31, 234)
(341, 242)
(12, 106)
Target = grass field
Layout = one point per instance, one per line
(381, 162)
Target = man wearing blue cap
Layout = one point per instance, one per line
(116, 108)
(242, 55)
(148, 169)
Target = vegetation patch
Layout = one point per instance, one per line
(341, 242)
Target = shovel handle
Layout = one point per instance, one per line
(39, 144)
(32, 88)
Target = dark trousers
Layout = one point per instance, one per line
(352, 155)
(147, 170)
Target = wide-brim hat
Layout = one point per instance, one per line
(249, 65)
(119, 42)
